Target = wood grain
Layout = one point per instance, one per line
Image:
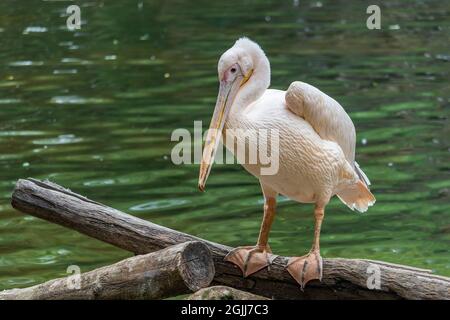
(223, 293)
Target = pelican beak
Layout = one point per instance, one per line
(225, 99)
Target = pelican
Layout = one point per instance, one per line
(316, 151)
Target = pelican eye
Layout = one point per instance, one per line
(233, 70)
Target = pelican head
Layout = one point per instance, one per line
(244, 74)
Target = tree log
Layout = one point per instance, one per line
(223, 293)
(176, 270)
(342, 278)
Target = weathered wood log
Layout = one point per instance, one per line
(176, 270)
(342, 278)
(223, 293)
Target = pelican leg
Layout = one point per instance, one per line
(251, 259)
(309, 267)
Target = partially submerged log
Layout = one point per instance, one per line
(223, 293)
(176, 270)
(342, 278)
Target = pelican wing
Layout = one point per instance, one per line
(327, 117)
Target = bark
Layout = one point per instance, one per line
(176, 270)
(223, 293)
(342, 278)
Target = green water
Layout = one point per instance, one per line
(93, 110)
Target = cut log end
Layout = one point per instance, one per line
(197, 266)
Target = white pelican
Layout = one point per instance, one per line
(316, 150)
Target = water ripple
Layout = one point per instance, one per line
(159, 204)
(9, 101)
(78, 100)
(26, 63)
(62, 139)
(34, 29)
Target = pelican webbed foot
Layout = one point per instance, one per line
(250, 259)
(306, 268)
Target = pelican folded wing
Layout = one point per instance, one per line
(324, 114)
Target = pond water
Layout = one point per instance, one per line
(94, 109)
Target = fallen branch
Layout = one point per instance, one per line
(223, 293)
(176, 270)
(342, 278)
